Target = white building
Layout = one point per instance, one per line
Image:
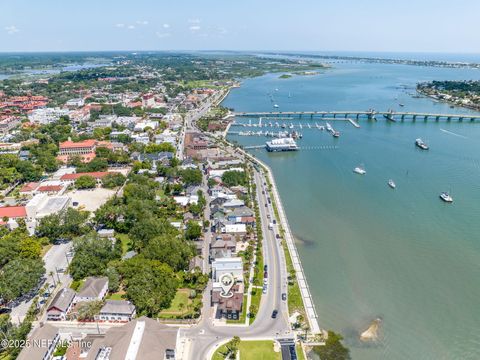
(46, 115)
(94, 288)
(142, 125)
(231, 265)
(141, 138)
(235, 229)
(42, 205)
(79, 102)
(117, 310)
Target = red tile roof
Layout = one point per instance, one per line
(78, 144)
(29, 187)
(49, 188)
(13, 211)
(96, 175)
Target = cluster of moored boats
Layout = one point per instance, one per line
(445, 196)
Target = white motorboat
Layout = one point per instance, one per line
(392, 184)
(445, 196)
(359, 170)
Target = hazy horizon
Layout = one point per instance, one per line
(426, 26)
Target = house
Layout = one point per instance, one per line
(142, 338)
(195, 263)
(222, 248)
(62, 303)
(98, 175)
(117, 310)
(94, 288)
(237, 213)
(233, 203)
(219, 201)
(231, 265)
(228, 307)
(13, 212)
(43, 342)
(238, 229)
(215, 190)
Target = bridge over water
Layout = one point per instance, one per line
(369, 114)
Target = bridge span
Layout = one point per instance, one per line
(369, 114)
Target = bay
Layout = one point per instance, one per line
(370, 251)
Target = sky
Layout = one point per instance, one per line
(297, 25)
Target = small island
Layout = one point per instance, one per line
(285, 76)
(371, 334)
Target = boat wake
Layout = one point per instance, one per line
(452, 133)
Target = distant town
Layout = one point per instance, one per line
(131, 226)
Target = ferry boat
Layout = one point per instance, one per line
(421, 144)
(359, 170)
(392, 184)
(445, 196)
(282, 144)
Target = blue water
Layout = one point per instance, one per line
(370, 251)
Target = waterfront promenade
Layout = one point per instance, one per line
(310, 311)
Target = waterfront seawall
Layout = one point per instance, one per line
(308, 303)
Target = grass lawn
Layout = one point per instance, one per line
(243, 314)
(251, 350)
(116, 296)
(126, 243)
(256, 297)
(179, 306)
(299, 350)
(77, 284)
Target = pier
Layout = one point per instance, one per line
(369, 114)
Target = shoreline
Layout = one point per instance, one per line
(300, 278)
(307, 299)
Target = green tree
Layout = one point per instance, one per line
(30, 248)
(85, 182)
(92, 255)
(113, 279)
(150, 284)
(193, 231)
(333, 348)
(234, 178)
(113, 180)
(19, 276)
(170, 250)
(88, 310)
(191, 176)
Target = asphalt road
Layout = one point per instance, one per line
(55, 259)
(205, 336)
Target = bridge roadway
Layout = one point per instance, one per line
(370, 114)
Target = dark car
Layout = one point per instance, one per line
(284, 296)
(265, 267)
(277, 236)
(274, 314)
(265, 274)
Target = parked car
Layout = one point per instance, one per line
(274, 314)
(265, 267)
(277, 236)
(284, 296)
